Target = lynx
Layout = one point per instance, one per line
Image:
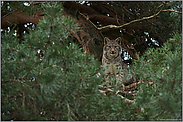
(112, 58)
(114, 66)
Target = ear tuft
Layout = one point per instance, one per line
(106, 40)
(118, 40)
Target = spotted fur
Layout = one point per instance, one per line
(112, 57)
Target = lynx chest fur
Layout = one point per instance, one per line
(112, 57)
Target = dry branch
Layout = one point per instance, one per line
(137, 20)
(88, 20)
(173, 11)
(126, 100)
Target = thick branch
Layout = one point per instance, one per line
(78, 7)
(18, 17)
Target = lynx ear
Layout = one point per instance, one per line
(106, 40)
(118, 40)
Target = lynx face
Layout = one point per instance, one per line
(112, 48)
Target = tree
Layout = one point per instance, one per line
(49, 71)
(165, 18)
(161, 76)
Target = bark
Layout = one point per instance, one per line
(19, 18)
(72, 6)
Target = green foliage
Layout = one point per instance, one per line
(48, 77)
(25, 6)
(33, 84)
(162, 68)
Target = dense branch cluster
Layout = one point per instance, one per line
(140, 24)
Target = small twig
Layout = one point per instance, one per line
(157, 114)
(174, 75)
(132, 46)
(131, 85)
(126, 93)
(23, 101)
(88, 20)
(15, 25)
(74, 116)
(164, 105)
(129, 51)
(23, 78)
(151, 23)
(178, 41)
(68, 114)
(9, 13)
(126, 100)
(127, 10)
(117, 17)
(173, 11)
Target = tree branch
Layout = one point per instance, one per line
(174, 75)
(126, 100)
(88, 20)
(92, 24)
(8, 13)
(73, 6)
(145, 18)
(173, 11)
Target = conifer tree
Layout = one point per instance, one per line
(160, 74)
(46, 76)
(49, 77)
